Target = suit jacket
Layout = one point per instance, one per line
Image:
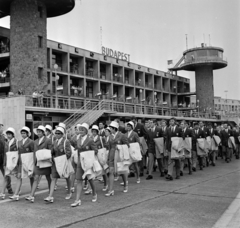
(27, 147)
(157, 133)
(236, 135)
(52, 138)
(98, 142)
(102, 133)
(106, 141)
(133, 137)
(225, 136)
(206, 131)
(188, 133)
(88, 144)
(141, 130)
(45, 144)
(60, 149)
(120, 139)
(199, 135)
(176, 133)
(213, 132)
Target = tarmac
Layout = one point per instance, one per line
(206, 199)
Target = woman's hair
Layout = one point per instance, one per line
(24, 132)
(9, 132)
(114, 128)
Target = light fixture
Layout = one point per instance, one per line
(128, 98)
(76, 50)
(91, 54)
(59, 46)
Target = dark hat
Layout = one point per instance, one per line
(195, 123)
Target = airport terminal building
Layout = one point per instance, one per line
(76, 76)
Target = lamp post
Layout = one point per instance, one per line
(56, 82)
(140, 91)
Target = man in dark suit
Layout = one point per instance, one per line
(2, 148)
(186, 133)
(199, 134)
(101, 129)
(212, 153)
(173, 131)
(154, 132)
(141, 130)
(225, 135)
(207, 133)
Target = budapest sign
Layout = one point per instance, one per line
(115, 54)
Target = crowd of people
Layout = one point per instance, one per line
(109, 152)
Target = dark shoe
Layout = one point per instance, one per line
(194, 169)
(213, 164)
(177, 177)
(141, 174)
(207, 163)
(227, 160)
(190, 173)
(154, 168)
(131, 175)
(181, 173)
(168, 177)
(145, 167)
(162, 174)
(10, 191)
(149, 177)
(165, 171)
(147, 172)
(201, 168)
(237, 157)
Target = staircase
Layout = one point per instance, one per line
(87, 114)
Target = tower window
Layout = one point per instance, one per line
(40, 12)
(40, 39)
(40, 72)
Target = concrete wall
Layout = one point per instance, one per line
(25, 55)
(12, 113)
(204, 88)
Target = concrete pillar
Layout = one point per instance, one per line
(28, 27)
(204, 88)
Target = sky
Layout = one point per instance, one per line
(154, 31)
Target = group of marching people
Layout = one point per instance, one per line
(79, 159)
(107, 152)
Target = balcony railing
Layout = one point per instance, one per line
(5, 80)
(103, 76)
(70, 103)
(74, 70)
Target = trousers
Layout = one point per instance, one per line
(7, 178)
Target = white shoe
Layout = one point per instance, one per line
(94, 199)
(125, 190)
(138, 181)
(116, 178)
(14, 197)
(105, 188)
(110, 193)
(88, 192)
(76, 203)
(85, 187)
(2, 196)
(49, 199)
(69, 196)
(122, 184)
(72, 190)
(55, 188)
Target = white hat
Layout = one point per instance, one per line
(60, 129)
(131, 123)
(63, 125)
(85, 125)
(114, 124)
(27, 130)
(48, 127)
(95, 127)
(108, 128)
(10, 129)
(40, 127)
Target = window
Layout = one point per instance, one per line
(103, 88)
(48, 77)
(40, 72)
(40, 12)
(40, 39)
(89, 89)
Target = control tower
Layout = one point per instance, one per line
(203, 60)
(28, 40)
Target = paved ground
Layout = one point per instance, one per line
(208, 198)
